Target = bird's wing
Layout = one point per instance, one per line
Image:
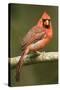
(32, 36)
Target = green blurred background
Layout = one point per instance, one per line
(22, 18)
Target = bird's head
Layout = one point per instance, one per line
(44, 21)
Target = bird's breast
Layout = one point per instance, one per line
(39, 44)
(43, 42)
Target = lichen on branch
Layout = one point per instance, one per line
(35, 58)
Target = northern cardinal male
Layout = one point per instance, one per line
(36, 38)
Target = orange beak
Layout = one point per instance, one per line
(47, 22)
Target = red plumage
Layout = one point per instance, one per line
(36, 38)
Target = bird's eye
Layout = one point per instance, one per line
(44, 20)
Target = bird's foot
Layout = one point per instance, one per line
(43, 52)
(38, 53)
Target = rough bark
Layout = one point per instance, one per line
(35, 58)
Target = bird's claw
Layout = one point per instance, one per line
(38, 52)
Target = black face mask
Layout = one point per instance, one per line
(44, 25)
(47, 26)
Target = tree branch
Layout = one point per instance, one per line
(35, 58)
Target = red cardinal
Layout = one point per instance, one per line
(36, 38)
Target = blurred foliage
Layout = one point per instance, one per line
(22, 18)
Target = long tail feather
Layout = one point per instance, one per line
(18, 67)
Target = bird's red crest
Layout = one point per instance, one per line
(45, 16)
